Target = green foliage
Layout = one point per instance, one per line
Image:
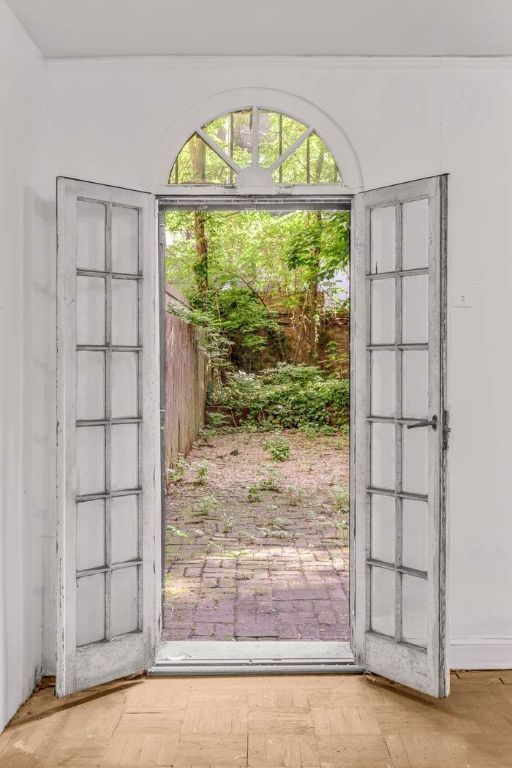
(278, 447)
(227, 522)
(321, 246)
(335, 359)
(176, 473)
(234, 266)
(205, 505)
(287, 396)
(271, 480)
(212, 340)
(253, 494)
(340, 498)
(248, 324)
(217, 420)
(177, 532)
(201, 469)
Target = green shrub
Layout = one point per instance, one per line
(278, 447)
(287, 396)
(216, 420)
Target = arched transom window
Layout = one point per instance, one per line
(255, 147)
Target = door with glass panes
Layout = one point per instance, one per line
(108, 483)
(400, 433)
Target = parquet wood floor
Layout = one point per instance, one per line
(343, 721)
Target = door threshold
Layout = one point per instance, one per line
(253, 657)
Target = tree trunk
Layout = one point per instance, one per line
(198, 159)
(312, 300)
(201, 262)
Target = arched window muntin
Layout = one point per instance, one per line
(256, 147)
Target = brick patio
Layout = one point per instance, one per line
(259, 550)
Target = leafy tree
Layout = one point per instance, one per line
(238, 265)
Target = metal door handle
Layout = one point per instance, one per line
(426, 423)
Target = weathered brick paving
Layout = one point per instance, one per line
(258, 564)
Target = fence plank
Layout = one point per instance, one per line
(185, 383)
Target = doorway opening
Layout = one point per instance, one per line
(257, 335)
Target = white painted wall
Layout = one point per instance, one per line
(122, 121)
(25, 378)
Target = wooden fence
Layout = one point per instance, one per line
(185, 381)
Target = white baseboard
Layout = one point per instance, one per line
(481, 653)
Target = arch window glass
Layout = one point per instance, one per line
(255, 146)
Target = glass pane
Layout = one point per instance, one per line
(383, 240)
(125, 456)
(383, 456)
(90, 459)
(383, 384)
(322, 165)
(125, 385)
(198, 164)
(415, 234)
(125, 239)
(383, 528)
(414, 534)
(415, 309)
(414, 610)
(382, 602)
(383, 311)
(125, 528)
(90, 226)
(125, 312)
(124, 610)
(90, 310)
(90, 534)
(90, 385)
(415, 460)
(311, 163)
(277, 133)
(90, 609)
(415, 384)
(233, 134)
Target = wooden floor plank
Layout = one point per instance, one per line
(330, 721)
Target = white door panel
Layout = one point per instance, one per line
(108, 434)
(398, 511)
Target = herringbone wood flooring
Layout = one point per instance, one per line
(343, 721)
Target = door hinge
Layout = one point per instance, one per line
(446, 430)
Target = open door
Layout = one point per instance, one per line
(400, 433)
(108, 482)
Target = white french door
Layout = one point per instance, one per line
(108, 483)
(400, 432)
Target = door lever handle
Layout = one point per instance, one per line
(426, 423)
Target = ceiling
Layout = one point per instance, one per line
(268, 27)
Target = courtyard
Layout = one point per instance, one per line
(257, 548)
